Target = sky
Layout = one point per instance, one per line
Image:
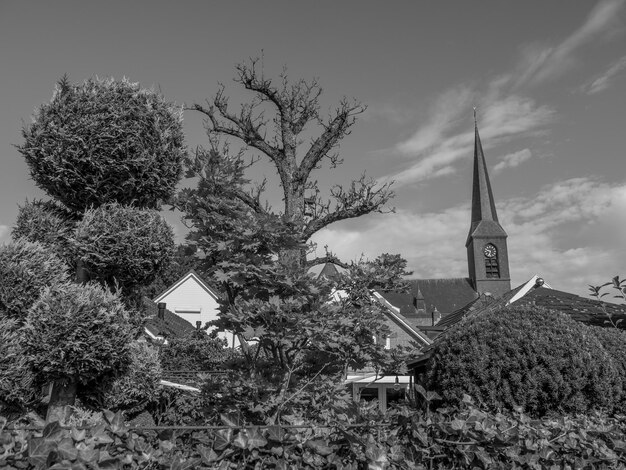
(548, 80)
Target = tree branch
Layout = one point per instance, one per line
(244, 127)
(362, 198)
(334, 131)
(326, 259)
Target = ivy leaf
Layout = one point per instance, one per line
(78, 434)
(66, 449)
(39, 448)
(51, 430)
(207, 454)
(275, 433)
(223, 438)
(319, 446)
(255, 439)
(89, 455)
(241, 440)
(116, 422)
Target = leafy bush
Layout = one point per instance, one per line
(197, 351)
(17, 382)
(463, 438)
(614, 342)
(25, 269)
(105, 141)
(123, 244)
(46, 223)
(525, 357)
(77, 332)
(139, 387)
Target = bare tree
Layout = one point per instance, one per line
(295, 105)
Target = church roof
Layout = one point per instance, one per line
(446, 295)
(484, 215)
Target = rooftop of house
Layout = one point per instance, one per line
(170, 326)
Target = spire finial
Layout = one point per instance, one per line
(475, 122)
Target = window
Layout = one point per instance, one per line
(491, 268)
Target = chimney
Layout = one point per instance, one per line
(198, 325)
(161, 307)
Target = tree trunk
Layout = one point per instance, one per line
(294, 213)
(63, 394)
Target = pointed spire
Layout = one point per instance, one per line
(483, 205)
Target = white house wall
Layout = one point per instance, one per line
(191, 301)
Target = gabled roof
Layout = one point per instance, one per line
(446, 295)
(588, 311)
(402, 322)
(171, 326)
(191, 274)
(329, 271)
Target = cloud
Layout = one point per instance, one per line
(447, 138)
(512, 160)
(571, 233)
(541, 63)
(601, 82)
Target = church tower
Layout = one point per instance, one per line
(487, 254)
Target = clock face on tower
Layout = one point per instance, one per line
(490, 251)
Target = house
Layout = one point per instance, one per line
(195, 301)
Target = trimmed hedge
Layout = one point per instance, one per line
(539, 360)
(77, 332)
(25, 269)
(140, 386)
(614, 342)
(105, 141)
(46, 223)
(123, 244)
(17, 390)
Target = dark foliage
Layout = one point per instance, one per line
(614, 342)
(47, 223)
(105, 141)
(539, 360)
(463, 438)
(79, 333)
(17, 382)
(122, 245)
(25, 269)
(196, 352)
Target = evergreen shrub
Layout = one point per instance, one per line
(123, 245)
(77, 332)
(140, 386)
(528, 357)
(104, 141)
(47, 223)
(17, 382)
(614, 342)
(25, 269)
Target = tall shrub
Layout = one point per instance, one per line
(123, 245)
(17, 382)
(25, 269)
(524, 356)
(105, 141)
(47, 223)
(76, 334)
